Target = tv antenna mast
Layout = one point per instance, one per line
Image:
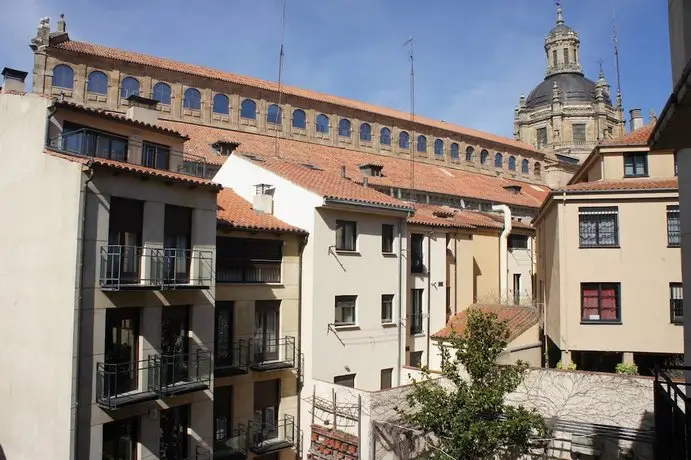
(281, 57)
(411, 142)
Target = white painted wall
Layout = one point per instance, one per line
(38, 266)
(522, 262)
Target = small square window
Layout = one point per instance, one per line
(416, 359)
(387, 238)
(387, 308)
(518, 242)
(345, 310)
(347, 380)
(600, 302)
(346, 235)
(635, 164)
(386, 378)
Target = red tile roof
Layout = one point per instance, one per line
(235, 212)
(396, 171)
(634, 138)
(191, 69)
(445, 216)
(630, 184)
(518, 319)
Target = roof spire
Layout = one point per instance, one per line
(560, 14)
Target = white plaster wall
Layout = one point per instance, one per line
(521, 261)
(38, 254)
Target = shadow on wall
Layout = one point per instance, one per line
(2, 453)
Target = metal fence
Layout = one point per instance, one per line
(672, 419)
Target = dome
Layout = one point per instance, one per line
(560, 29)
(573, 88)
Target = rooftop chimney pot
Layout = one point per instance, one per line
(14, 80)
(142, 109)
(636, 119)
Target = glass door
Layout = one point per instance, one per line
(120, 440)
(173, 442)
(121, 350)
(266, 324)
(224, 334)
(175, 344)
(266, 400)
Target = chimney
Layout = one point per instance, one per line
(636, 119)
(263, 199)
(62, 26)
(14, 80)
(343, 171)
(142, 109)
(653, 116)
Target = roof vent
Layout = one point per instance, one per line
(252, 157)
(142, 109)
(371, 169)
(224, 148)
(311, 166)
(515, 189)
(444, 213)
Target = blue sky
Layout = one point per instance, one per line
(472, 58)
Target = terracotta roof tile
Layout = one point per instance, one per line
(634, 138)
(236, 212)
(191, 69)
(445, 216)
(519, 319)
(631, 184)
(395, 173)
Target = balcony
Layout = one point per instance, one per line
(672, 416)
(228, 271)
(122, 384)
(186, 268)
(183, 373)
(268, 438)
(94, 144)
(234, 360)
(200, 454)
(234, 447)
(270, 355)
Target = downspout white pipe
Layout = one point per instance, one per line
(504, 252)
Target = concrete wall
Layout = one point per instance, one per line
(38, 276)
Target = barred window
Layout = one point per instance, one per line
(676, 303)
(598, 227)
(673, 226)
(345, 310)
(600, 302)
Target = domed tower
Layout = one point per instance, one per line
(567, 113)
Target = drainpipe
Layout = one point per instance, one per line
(504, 252)
(429, 293)
(399, 363)
(455, 273)
(301, 370)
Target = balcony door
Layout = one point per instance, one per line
(121, 350)
(266, 400)
(177, 243)
(174, 442)
(224, 332)
(175, 344)
(266, 324)
(124, 240)
(120, 440)
(223, 416)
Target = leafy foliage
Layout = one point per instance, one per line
(465, 411)
(627, 368)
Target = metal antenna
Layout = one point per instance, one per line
(412, 111)
(616, 54)
(281, 57)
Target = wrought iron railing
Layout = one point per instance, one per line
(180, 373)
(257, 272)
(233, 446)
(200, 453)
(186, 267)
(268, 354)
(270, 437)
(672, 415)
(119, 384)
(233, 359)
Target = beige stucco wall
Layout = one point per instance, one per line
(660, 163)
(525, 347)
(486, 267)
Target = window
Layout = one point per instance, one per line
(162, 93)
(673, 226)
(248, 260)
(97, 83)
(322, 123)
(455, 151)
(404, 140)
(155, 156)
(387, 238)
(223, 348)
(566, 56)
(121, 347)
(525, 167)
(498, 160)
(248, 109)
(518, 242)
(221, 104)
(600, 302)
(676, 165)
(537, 171)
(422, 144)
(387, 308)
(345, 310)
(63, 76)
(512, 163)
(174, 441)
(469, 154)
(484, 154)
(554, 58)
(344, 128)
(365, 132)
(347, 380)
(223, 417)
(299, 119)
(598, 227)
(346, 235)
(416, 311)
(192, 99)
(439, 147)
(416, 359)
(516, 288)
(129, 87)
(82, 141)
(541, 137)
(386, 378)
(120, 439)
(273, 114)
(578, 133)
(416, 253)
(177, 235)
(635, 164)
(676, 303)
(385, 136)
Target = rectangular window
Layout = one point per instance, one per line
(600, 302)
(120, 439)
(347, 380)
(554, 58)
(416, 311)
(518, 242)
(673, 226)
(387, 238)
(124, 238)
(416, 253)
(416, 359)
(267, 318)
(516, 288)
(541, 137)
(676, 303)
(387, 308)
(345, 310)
(79, 140)
(386, 378)
(155, 156)
(635, 164)
(177, 235)
(248, 260)
(598, 227)
(223, 415)
(346, 235)
(122, 349)
(676, 165)
(578, 133)
(174, 438)
(566, 56)
(224, 334)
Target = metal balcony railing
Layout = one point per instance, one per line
(234, 446)
(200, 453)
(233, 359)
(265, 438)
(272, 354)
(258, 272)
(121, 384)
(672, 415)
(186, 268)
(182, 373)
(92, 143)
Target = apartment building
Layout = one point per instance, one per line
(619, 215)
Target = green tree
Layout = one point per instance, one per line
(465, 411)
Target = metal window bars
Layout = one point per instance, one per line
(676, 303)
(233, 359)
(272, 353)
(273, 436)
(258, 271)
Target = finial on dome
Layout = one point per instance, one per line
(560, 14)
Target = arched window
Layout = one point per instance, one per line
(484, 154)
(498, 160)
(365, 132)
(455, 152)
(469, 154)
(248, 109)
(512, 163)
(299, 119)
(322, 123)
(162, 93)
(221, 104)
(536, 169)
(385, 136)
(63, 76)
(344, 128)
(439, 147)
(421, 144)
(273, 114)
(192, 99)
(404, 140)
(525, 168)
(97, 83)
(129, 87)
